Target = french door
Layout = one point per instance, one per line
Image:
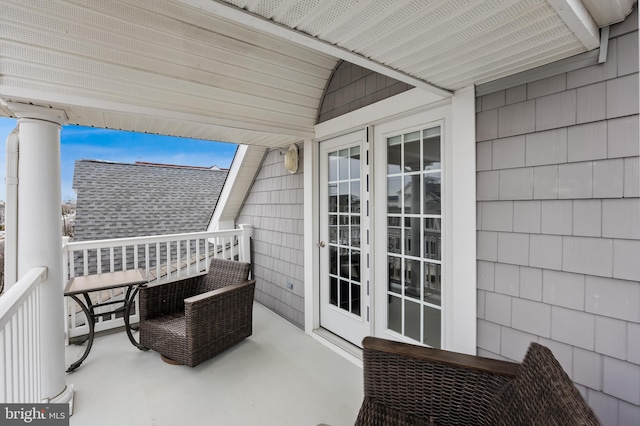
(344, 250)
(408, 252)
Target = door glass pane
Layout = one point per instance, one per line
(412, 152)
(395, 274)
(412, 320)
(355, 266)
(432, 204)
(394, 314)
(412, 194)
(344, 229)
(333, 197)
(333, 291)
(344, 295)
(432, 287)
(394, 232)
(432, 319)
(345, 264)
(332, 167)
(344, 197)
(432, 239)
(412, 233)
(355, 162)
(355, 197)
(355, 299)
(431, 148)
(343, 164)
(414, 219)
(333, 260)
(412, 278)
(394, 194)
(394, 155)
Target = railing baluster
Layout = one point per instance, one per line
(111, 260)
(99, 260)
(178, 259)
(147, 267)
(135, 256)
(85, 263)
(124, 258)
(158, 261)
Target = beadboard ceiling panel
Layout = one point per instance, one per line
(159, 66)
(254, 71)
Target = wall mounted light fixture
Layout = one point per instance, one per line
(291, 159)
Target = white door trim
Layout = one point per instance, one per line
(461, 175)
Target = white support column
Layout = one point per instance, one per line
(40, 234)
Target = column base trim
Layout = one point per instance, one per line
(66, 396)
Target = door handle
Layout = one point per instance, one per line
(321, 244)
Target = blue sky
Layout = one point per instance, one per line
(78, 143)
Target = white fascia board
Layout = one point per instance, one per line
(236, 165)
(250, 20)
(579, 21)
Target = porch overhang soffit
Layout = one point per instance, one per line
(254, 71)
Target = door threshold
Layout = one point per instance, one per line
(337, 344)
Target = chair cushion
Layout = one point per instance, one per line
(541, 394)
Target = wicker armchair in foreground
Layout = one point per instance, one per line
(412, 385)
(191, 320)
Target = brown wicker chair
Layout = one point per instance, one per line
(191, 320)
(412, 385)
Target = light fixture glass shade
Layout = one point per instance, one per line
(291, 159)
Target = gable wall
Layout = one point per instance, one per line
(559, 225)
(275, 209)
(352, 87)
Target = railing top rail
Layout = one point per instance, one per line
(10, 300)
(119, 242)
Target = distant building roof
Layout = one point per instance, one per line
(116, 200)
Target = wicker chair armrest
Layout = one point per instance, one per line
(454, 359)
(219, 306)
(166, 298)
(430, 384)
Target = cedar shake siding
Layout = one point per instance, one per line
(559, 224)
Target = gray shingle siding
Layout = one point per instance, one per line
(559, 225)
(352, 87)
(275, 208)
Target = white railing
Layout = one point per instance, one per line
(163, 257)
(20, 339)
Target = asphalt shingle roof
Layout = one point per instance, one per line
(116, 200)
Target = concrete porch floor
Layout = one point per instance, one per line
(278, 376)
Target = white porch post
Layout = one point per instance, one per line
(40, 234)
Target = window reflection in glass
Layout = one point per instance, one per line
(395, 274)
(394, 194)
(394, 155)
(433, 283)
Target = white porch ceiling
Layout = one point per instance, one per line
(253, 71)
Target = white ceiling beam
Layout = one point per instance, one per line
(247, 19)
(579, 21)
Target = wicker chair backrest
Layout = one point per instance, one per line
(223, 273)
(542, 394)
